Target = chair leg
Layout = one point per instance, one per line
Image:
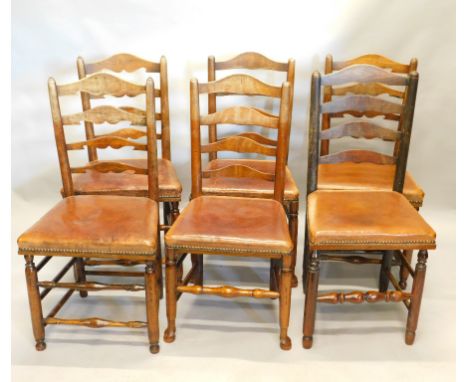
(404, 273)
(293, 227)
(285, 301)
(174, 211)
(80, 276)
(305, 261)
(273, 284)
(386, 266)
(416, 297)
(166, 212)
(152, 304)
(171, 295)
(35, 303)
(310, 306)
(197, 261)
(159, 272)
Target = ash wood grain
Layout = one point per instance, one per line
(259, 138)
(241, 115)
(239, 144)
(101, 114)
(251, 60)
(372, 89)
(109, 166)
(238, 171)
(365, 74)
(373, 59)
(95, 322)
(103, 142)
(127, 132)
(361, 297)
(368, 114)
(362, 104)
(101, 84)
(227, 291)
(357, 156)
(240, 84)
(123, 62)
(366, 130)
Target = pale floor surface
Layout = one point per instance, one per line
(228, 340)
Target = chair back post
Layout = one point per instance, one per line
(86, 104)
(195, 139)
(284, 127)
(152, 152)
(314, 133)
(212, 129)
(291, 74)
(327, 97)
(406, 127)
(59, 133)
(165, 124)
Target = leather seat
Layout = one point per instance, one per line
(365, 220)
(224, 224)
(248, 187)
(126, 183)
(366, 176)
(95, 224)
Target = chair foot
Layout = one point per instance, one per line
(154, 348)
(40, 345)
(294, 281)
(307, 342)
(83, 294)
(409, 337)
(169, 335)
(285, 343)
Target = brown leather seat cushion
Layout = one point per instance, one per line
(221, 223)
(126, 183)
(101, 224)
(248, 187)
(366, 176)
(353, 220)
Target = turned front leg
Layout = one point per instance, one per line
(416, 297)
(310, 305)
(35, 305)
(152, 304)
(171, 295)
(285, 301)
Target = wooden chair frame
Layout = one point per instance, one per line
(97, 85)
(282, 275)
(257, 61)
(367, 105)
(130, 63)
(369, 89)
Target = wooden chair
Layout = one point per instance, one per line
(251, 187)
(228, 225)
(105, 227)
(367, 176)
(96, 183)
(349, 221)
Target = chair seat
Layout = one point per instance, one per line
(129, 184)
(214, 224)
(101, 225)
(248, 187)
(366, 176)
(365, 220)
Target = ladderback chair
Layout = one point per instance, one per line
(233, 225)
(95, 183)
(251, 187)
(110, 228)
(351, 175)
(374, 222)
